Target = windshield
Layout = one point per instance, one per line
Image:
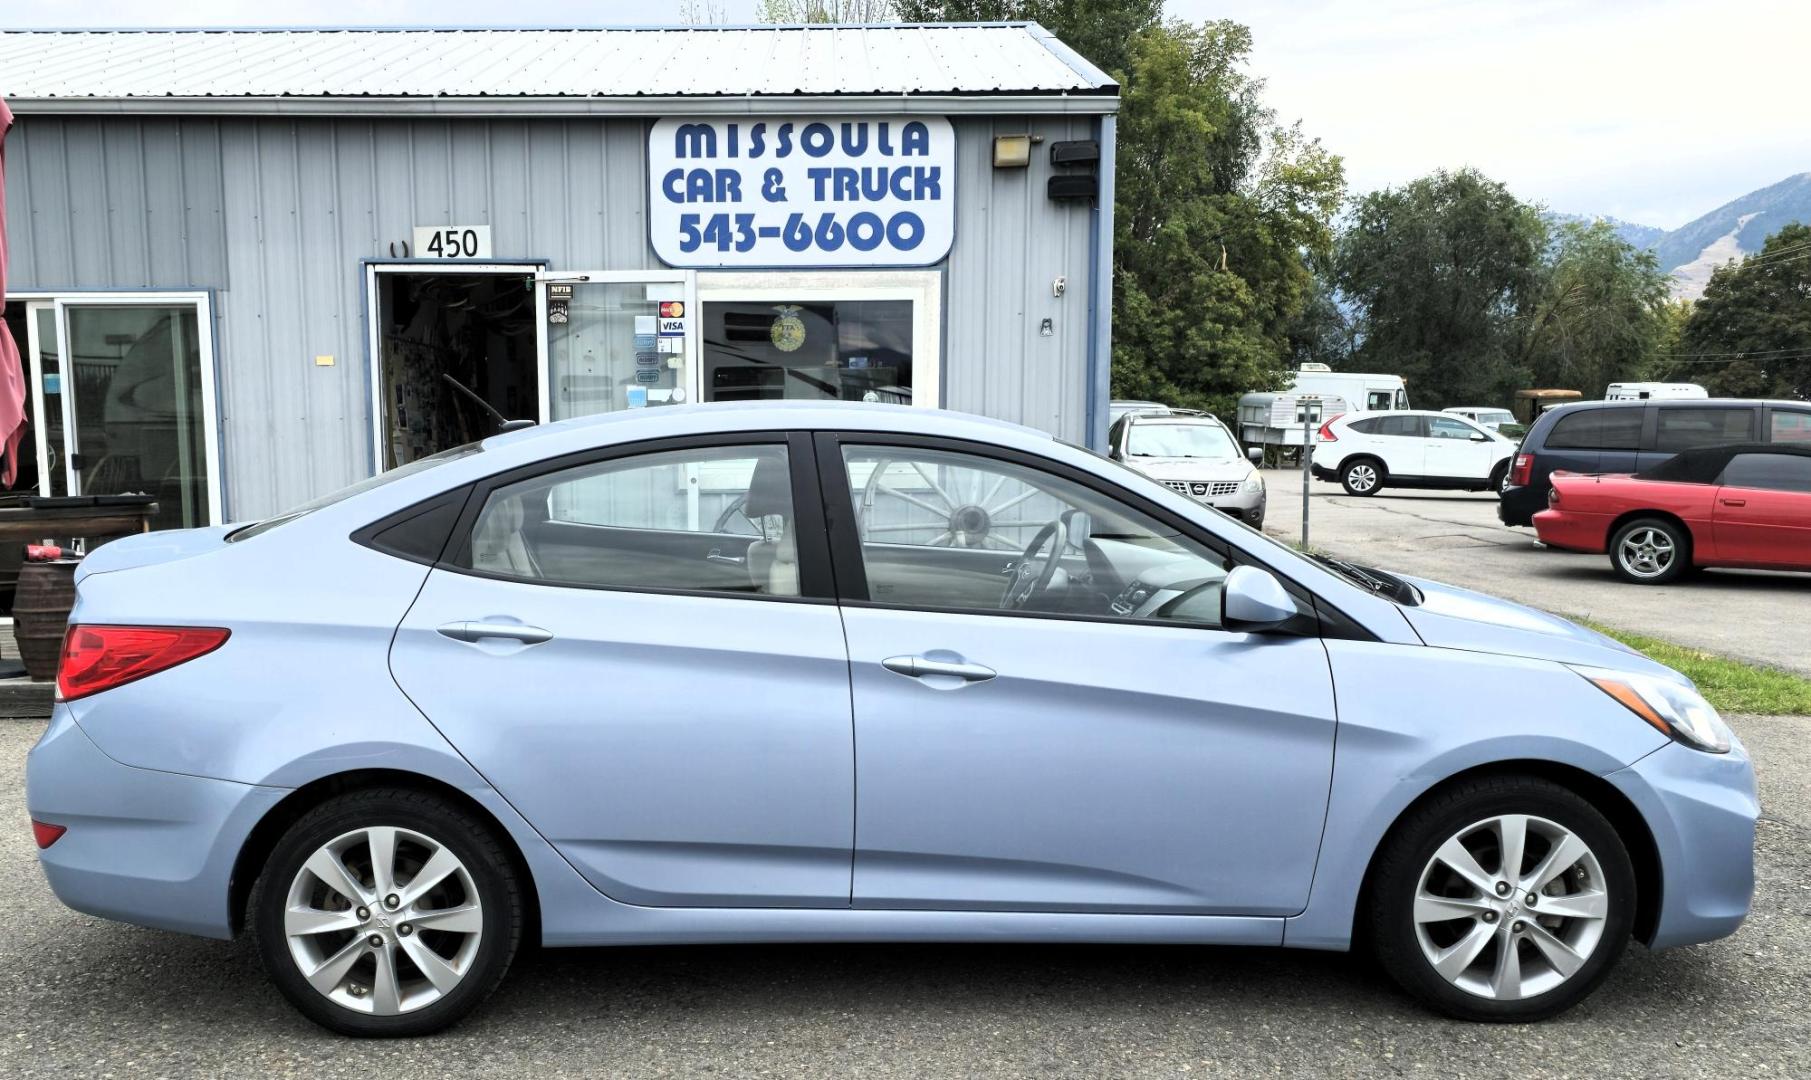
(1181, 440)
(1495, 416)
(368, 484)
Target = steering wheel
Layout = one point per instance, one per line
(1028, 582)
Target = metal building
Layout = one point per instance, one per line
(251, 267)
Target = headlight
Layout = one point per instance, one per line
(1253, 483)
(1677, 710)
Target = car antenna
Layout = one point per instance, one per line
(503, 425)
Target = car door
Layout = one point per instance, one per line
(1762, 515)
(1069, 731)
(1452, 452)
(1400, 440)
(666, 701)
(1679, 427)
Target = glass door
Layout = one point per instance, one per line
(46, 373)
(617, 340)
(134, 377)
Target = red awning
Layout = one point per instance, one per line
(12, 376)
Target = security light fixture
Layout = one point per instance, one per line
(1012, 151)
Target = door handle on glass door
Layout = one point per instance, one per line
(917, 667)
(477, 631)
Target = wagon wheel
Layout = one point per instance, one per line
(736, 511)
(970, 513)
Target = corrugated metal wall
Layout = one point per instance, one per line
(276, 214)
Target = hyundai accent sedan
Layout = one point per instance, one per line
(962, 683)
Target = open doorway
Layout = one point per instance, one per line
(455, 350)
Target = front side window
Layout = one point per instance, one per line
(947, 530)
(1769, 472)
(1597, 429)
(709, 519)
(1378, 400)
(1686, 429)
(1181, 440)
(1441, 427)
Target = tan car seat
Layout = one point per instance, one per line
(773, 560)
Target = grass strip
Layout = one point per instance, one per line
(1732, 686)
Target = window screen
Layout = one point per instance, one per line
(1685, 429)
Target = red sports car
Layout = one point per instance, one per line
(1744, 506)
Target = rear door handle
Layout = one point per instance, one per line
(478, 631)
(1735, 502)
(917, 667)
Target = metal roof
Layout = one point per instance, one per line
(233, 70)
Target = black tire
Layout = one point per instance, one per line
(1396, 879)
(1650, 534)
(1362, 476)
(472, 841)
(1497, 477)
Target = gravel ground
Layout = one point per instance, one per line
(86, 997)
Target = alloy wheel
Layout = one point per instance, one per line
(383, 920)
(1362, 477)
(1511, 907)
(1646, 552)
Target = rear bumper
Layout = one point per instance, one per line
(1701, 809)
(1518, 505)
(1322, 472)
(1572, 531)
(145, 847)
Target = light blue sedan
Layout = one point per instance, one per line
(853, 673)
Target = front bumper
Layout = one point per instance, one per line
(145, 847)
(1572, 531)
(1701, 809)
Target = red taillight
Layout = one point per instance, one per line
(45, 833)
(1327, 432)
(1522, 471)
(97, 658)
(1552, 497)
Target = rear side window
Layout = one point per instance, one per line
(1367, 426)
(1687, 429)
(1770, 472)
(1401, 426)
(1597, 429)
(1791, 427)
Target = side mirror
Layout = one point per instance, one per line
(1252, 599)
(1479, 436)
(1255, 454)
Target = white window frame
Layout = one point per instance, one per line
(924, 288)
(61, 301)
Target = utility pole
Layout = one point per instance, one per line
(1308, 411)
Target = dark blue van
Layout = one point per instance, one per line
(1629, 436)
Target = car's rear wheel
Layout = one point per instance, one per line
(1361, 476)
(387, 912)
(1504, 898)
(1499, 477)
(1651, 551)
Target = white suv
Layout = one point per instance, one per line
(1369, 451)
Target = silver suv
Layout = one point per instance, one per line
(1193, 454)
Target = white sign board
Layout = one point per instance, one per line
(451, 242)
(871, 191)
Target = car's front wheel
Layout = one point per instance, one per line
(1504, 898)
(387, 912)
(1651, 551)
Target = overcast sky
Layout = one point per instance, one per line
(1650, 110)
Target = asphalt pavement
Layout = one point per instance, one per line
(81, 996)
(1455, 537)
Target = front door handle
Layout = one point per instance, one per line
(478, 631)
(917, 667)
(1735, 502)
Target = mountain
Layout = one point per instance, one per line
(1735, 229)
(1639, 235)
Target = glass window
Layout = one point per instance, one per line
(1367, 426)
(1771, 472)
(1791, 427)
(1411, 427)
(820, 350)
(1684, 429)
(140, 426)
(1377, 400)
(1443, 427)
(1181, 440)
(605, 348)
(1598, 429)
(948, 530)
(711, 519)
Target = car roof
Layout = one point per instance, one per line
(1671, 403)
(1703, 464)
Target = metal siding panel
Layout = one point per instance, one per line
(251, 436)
(327, 419)
(202, 191)
(626, 244)
(468, 166)
(91, 239)
(166, 247)
(508, 181)
(547, 232)
(129, 254)
(585, 196)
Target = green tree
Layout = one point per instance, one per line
(1598, 315)
(788, 12)
(1439, 271)
(1750, 335)
(1218, 210)
(1101, 30)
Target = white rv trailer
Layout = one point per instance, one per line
(1654, 391)
(1350, 391)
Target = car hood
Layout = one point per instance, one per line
(1186, 468)
(1453, 618)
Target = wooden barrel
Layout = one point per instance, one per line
(41, 611)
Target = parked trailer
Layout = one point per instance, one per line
(1655, 391)
(1269, 419)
